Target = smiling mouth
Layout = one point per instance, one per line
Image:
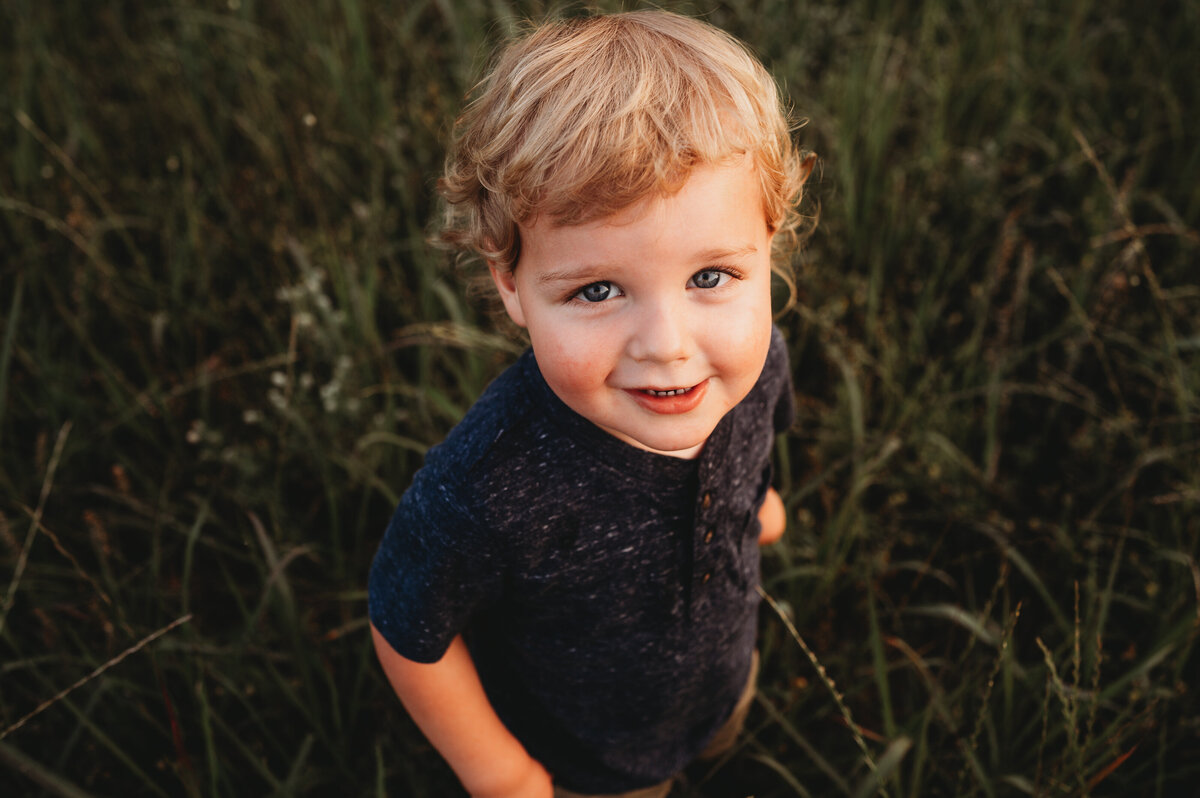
(670, 401)
(669, 392)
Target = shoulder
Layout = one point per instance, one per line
(484, 446)
(501, 411)
(441, 517)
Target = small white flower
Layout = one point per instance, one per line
(329, 396)
(195, 432)
(313, 280)
(278, 379)
(251, 416)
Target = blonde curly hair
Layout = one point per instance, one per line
(581, 118)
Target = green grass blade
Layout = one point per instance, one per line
(887, 765)
(15, 759)
(7, 346)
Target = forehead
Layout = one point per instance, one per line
(719, 211)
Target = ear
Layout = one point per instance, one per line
(506, 284)
(806, 167)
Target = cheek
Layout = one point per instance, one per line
(573, 364)
(739, 344)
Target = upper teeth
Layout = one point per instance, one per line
(671, 392)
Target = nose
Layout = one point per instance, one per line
(661, 334)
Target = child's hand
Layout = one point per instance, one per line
(533, 782)
(447, 701)
(773, 518)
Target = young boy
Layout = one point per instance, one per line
(565, 600)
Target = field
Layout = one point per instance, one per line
(225, 345)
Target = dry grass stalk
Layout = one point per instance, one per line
(136, 647)
(23, 557)
(826, 679)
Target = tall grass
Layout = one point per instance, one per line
(225, 346)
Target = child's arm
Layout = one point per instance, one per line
(773, 518)
(447, 701)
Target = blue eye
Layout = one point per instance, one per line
(709, 278)
(598, 292)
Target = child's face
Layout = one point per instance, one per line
(671, 295)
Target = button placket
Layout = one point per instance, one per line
(707, 522)
(706, 500)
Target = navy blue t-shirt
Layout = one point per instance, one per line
(607, 594)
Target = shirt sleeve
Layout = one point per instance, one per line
(433, 568)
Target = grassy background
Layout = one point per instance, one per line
(225, 346)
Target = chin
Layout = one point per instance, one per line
(668, 444)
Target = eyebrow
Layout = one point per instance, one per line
(583, 274)
(720, 253)
(599, 271)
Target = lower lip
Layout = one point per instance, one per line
(671, 405)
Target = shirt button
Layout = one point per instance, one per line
(708, 536)
(706, 500)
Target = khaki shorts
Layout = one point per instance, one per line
(721, 742)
